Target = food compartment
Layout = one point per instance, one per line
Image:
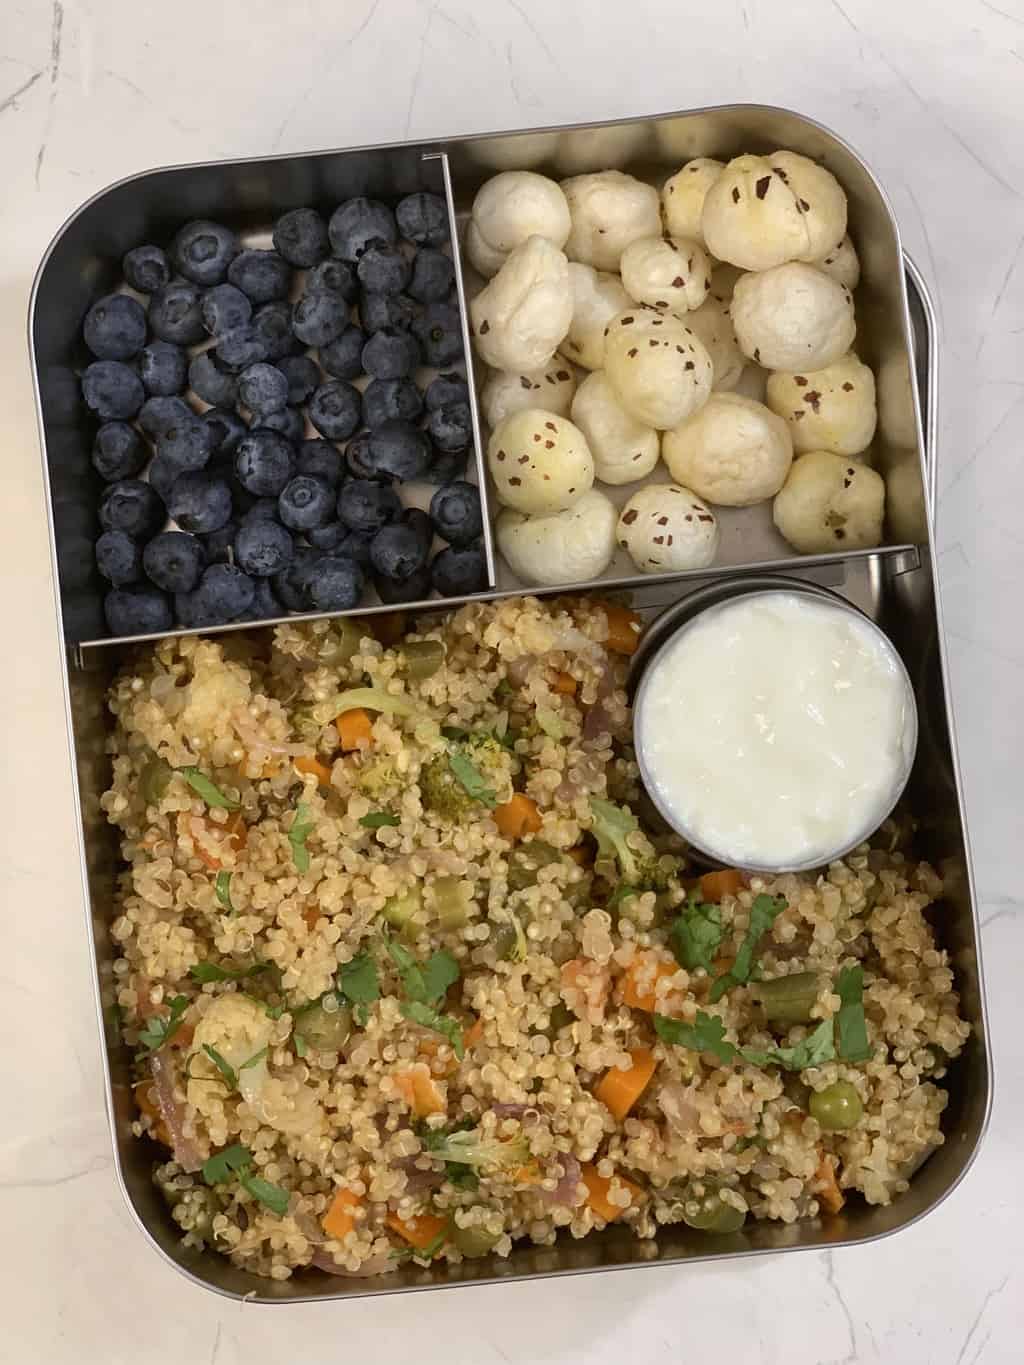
(341, 337)
(736, 447)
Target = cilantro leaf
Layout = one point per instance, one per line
(300, 1044)
(210, 971)
(211, 794)
(622, 893)
(471, 781)
(462, 1177)
(377, 819)
(428, 1252)
(357, 981)
(427, 1017)
(763, 914)
(255, 1059)
(223, 889)
(705, 1034)
(161, 1029)
(851, 1024)
(221, 1164)
(439, 972)
(225, 1068)
(271, 1196)
(696, 935)
(302, 825)
(813, 1050)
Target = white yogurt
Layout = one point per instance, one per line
(776, 731)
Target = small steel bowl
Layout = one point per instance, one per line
(676, 620)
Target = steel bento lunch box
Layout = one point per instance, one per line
(894, 585)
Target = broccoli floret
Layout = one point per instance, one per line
(378, 779)
(471, 1148)
(641, 869)
(467, 773)
(441, 792)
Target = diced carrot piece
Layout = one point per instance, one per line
(517, 817)
(314, 767)
(355, 728)
(389, 627)
(564, 684)
(586, 979)
(416, 1086)
(623, 628)
(473, 1034)
(311, 915)
(826, 1186)
(420, 1231)
(597, 1193)
(715, 886)
(530, 1174)
(640, 983)
(145, 1099)
(234, 827)
(619, 1089)
(340, 1218)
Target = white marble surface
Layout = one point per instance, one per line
(931, 93)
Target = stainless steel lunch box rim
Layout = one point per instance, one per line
(925, 299)
(682, 622)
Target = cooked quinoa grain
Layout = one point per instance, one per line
(405, 976)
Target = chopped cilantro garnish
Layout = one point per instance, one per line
(300, 1044)
(224, 1067)
(763, 914)
(211, 794)
(237, 1160)
(696, 935)
(705, 1034)
(377, 819)
(302, 825)
(358, 984)
(270, 1196)
(428, 1017)
(210, 971)
(425, 982)
(161, 1029)
(219, 1167)
(813, 1050)
(471, 781)
(223, 888)
(851, 1024)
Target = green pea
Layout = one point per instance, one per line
(155, 779)
(475, 1241)
(327, 1030)
(422, 658)
(400, 910)
(708, 1212)
(526, 861)
(789, 999)
(837, 1107)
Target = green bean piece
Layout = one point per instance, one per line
(789, 999)
(526, 861)
(422, 658)
(327, 1030)
(449, 902)
(474, 1242)
(400, 910)
(153, 783)
(348, 637)
(837, 1107)
(708, 1212)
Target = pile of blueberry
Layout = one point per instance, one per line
(267, 520)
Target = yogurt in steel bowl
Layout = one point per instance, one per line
(775, 730)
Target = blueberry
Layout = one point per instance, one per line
(219, 545)
(448, 466)
(242, 347)
(158, 414)
(455, 513)
(137, 611)
(423, 218)
(450, 427)
(118, 558)
(334, 409)
(263, 275)
(367, 506)
(300, 236)
(265, 605)
(203, 251)
(115, 327)
(439, 333)
(390, 354)
(263, 509)
(328, 537)
(226, 428)
(146, 269)
(333, 277)
(292, 585)
(321, 460)
(356, 223)
(343, 357)
(186, 444)
(386, 399)
(131, 506)
(357, 457)
(224, 593)
(336, 584)
(175, 315)
(459, 571)
(264, 462)
(399, 450)
(305, 502)
(174, 561)
(378, 311)
(200, 503)
(354, 545)
(415, 588)
(210, 381)
(383, 268)
(398, 551)
(162, 475)
(433, 275)
(223, 308)
(272, 325)
(421, 524)
(263, 548)
(288, 421)
(118, 451)
(446, 388)
(163, 368)
(262, 388)
(318, 318)
(302, 374)
(112, 390)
